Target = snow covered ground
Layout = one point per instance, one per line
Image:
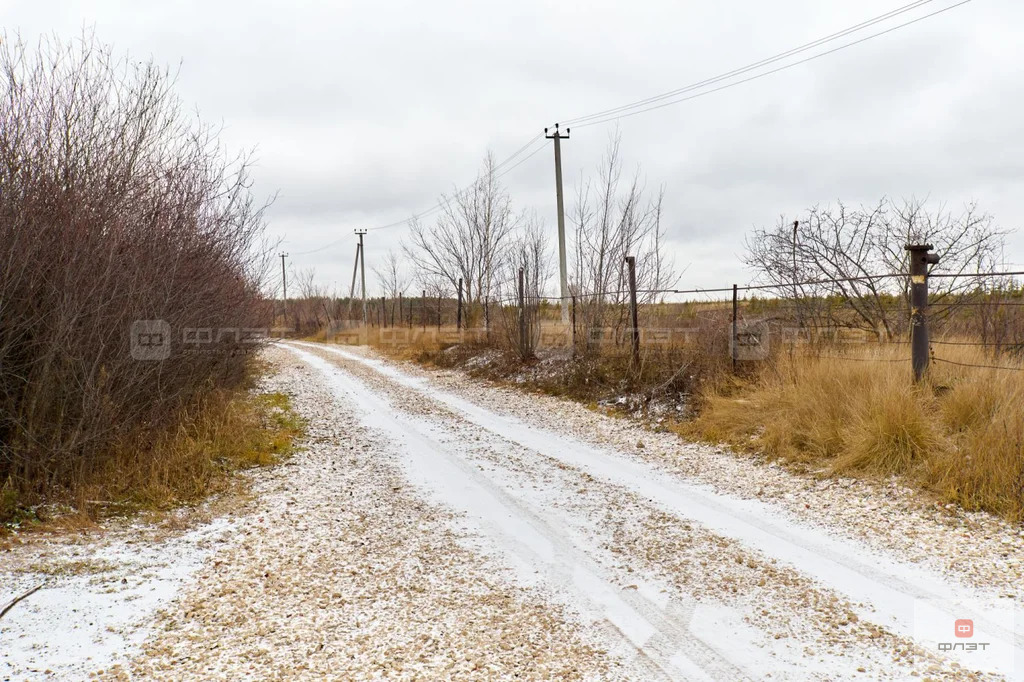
(439, 528)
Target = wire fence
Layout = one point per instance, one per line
(748, 325)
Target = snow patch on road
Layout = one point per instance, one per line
(95, 603)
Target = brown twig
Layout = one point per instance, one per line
(15, 601)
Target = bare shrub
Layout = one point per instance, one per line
(115, 207)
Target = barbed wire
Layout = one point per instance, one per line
(967, 364)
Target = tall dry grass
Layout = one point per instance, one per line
(959, 435)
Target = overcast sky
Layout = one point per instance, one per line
(363, 112)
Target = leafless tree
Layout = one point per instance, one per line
(858, 261)
(392, 281)
(469, 238)
(614, 217)
(530, 252)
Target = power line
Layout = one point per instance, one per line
(755, 65)
(438, 206)
(656, 102)
(634, 111)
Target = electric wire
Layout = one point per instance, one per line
(629, 113)
(750, 67)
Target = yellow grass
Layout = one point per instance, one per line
(960, 434)
(228, 432)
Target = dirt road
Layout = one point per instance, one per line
(436, 528)
(680, 578)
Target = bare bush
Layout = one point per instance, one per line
(114, 207)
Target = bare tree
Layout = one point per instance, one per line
(392, 281)
(530, 252)
(613, 218)
(469, 239)
(856, 258)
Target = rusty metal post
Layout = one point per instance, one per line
(574, 325)
(635, 333)
(458, 313)
(735, 326)
(920, 258)
(522, 316)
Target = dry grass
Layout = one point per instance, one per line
(225, 432)
(959, 435)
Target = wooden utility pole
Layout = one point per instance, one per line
(362, 270)
(631, 264)
(562, 269)
(284, 287)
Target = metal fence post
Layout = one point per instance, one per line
(920, 259)
(522, 315)
(458, 313)
(631, 264)
(573, 325)
(735, 328)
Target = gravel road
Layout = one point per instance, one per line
(435, 527)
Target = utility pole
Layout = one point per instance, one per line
(362, 270)
(563, 272)
(352, 289)
(284, 287)
(920, 259)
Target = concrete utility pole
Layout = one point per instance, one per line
(284, 287)
(563, 272)
(362, 270)
(352, 289)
